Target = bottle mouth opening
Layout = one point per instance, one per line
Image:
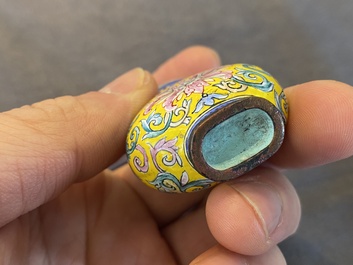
(237, 139)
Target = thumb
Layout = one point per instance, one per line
(48, 145)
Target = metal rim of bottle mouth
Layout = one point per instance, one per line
(221, 113)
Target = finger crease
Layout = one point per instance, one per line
(256, 210)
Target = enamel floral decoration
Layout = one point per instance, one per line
(208, 128)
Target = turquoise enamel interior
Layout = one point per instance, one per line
(237, 139)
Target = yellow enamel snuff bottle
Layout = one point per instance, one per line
(207, 128)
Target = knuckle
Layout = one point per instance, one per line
(46, 117)
(62, 109)
(39, 152)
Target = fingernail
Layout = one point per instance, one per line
(265, 201)
(131, 81)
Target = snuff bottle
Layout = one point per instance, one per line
(207, 128)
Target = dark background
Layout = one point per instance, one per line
(58, 47)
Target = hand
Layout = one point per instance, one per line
(58, 206)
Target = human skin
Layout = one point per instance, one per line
(60, 205)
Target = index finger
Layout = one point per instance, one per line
(320, 125)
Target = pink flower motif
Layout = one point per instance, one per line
(197, 83)
(216, 73)
(163, 144)
(162, 96)
(192, 85)
(168, 103)
(196, 86)
(169, 151)
(143, 165)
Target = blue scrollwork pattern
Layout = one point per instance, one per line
(169, 183)
(134, 135)
(156, 119)
(259, 81)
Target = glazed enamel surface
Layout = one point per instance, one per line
(237, 139)
(156, 143)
